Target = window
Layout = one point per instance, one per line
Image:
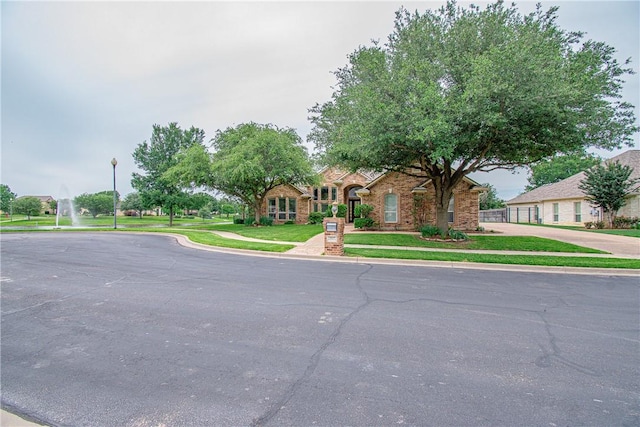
(556, 212)
(577, 211)
(390, 208)
(450, 209)
(324, 193)
(272, 208)
(282, 208)
(315, 194)
(334, 193)
(292, 209)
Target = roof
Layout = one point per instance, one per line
(43, 199)
(568, 187)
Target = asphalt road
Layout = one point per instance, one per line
(136, 330)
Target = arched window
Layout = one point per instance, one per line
(390, 208)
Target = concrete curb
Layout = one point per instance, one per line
(184, 241)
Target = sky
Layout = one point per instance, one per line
(84, 82)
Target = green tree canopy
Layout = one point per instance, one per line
(248, 161)
(155, 158)
(458, 90)
(490, 199)
(607, 186)
(29, 206)
(6, 197)
(557, 168)
(133, 202)
(97, 203)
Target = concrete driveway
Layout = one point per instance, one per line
(617, 245)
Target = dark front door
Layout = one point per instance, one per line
(352, 206)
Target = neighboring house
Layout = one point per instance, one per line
(564, 203)
(46, 203)
(400, 201)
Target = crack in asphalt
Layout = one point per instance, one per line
(544, 361)
(315, 358)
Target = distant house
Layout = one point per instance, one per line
(563, 203)
(400, 201)
(46, 203)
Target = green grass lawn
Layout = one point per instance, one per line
(480, 242)
(104, 221)
(208, 238)
(281, 233)
(541, 260)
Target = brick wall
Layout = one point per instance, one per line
(288, 191)
(418, 208)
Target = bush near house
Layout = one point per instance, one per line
(626, 222)
(316, 217)
(363, 223)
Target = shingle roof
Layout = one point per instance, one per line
(568, 187)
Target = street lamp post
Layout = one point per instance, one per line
(114, 162)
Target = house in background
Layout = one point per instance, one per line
(563, 203)
(46, 203)
(400, 201)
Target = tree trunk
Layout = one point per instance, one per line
(171, 216)
(257, 206)
(443, 196)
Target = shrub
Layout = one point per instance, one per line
(265, 220)
(290, 222)
(249, 221)
(363, 223)
(342, 211)
(429, 231)
(594, 224)
(625, 222)
(238, 220)
(362, 211)
(316, 218)
(457, 235)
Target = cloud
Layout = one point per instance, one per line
(83, 82)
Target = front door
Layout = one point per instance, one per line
(352, 206)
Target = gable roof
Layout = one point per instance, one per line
(568, 187)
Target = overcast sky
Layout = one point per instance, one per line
(83, 82)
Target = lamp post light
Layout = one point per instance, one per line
(114, 162)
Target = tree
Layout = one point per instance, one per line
(96, 203)
(457, 90)
(248, 161)
(489, 199)
(29, 206)
(557, 168)
(607, 186)
(155, 158)
(6, 197)
(133, 202)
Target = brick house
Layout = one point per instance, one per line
(401, 202)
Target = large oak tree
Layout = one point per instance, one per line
(458, 90)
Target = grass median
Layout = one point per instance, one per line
(212, 239)
(475, 242)
(540, 260)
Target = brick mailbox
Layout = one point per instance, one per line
(334, 236)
